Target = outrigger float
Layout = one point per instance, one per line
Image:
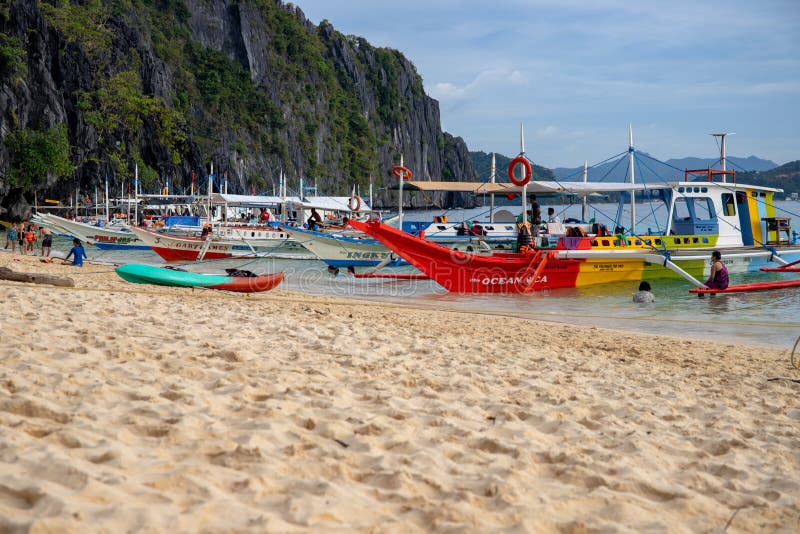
(714, 214)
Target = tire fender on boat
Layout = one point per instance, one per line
(354, 203)
(404, 173)
(528, 171)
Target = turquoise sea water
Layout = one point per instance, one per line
(765, 318)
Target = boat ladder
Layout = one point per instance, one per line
(204, 249)
(531, 269)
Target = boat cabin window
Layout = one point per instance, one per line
(694, 215)
(693, 208)
(728, 204)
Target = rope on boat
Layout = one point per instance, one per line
(795, 363)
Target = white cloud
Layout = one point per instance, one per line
(548, 132)
(450, 94)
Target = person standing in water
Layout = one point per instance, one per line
(719, 273)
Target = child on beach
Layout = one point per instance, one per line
(30, 240)
(11, 237)
(77, 253)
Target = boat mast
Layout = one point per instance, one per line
(633, 180)
(524, 187)
(722, 151)
(135, 194)
(585, 176)
(210, 190)
(108, 215)
(491, 197)
(400, 196)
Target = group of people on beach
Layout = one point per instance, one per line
(26, 236)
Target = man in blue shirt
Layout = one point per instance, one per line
(77, 252)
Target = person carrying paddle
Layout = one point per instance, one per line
(719, 273)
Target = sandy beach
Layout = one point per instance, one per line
(132, 408)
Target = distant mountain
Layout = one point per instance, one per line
(483, 167)
(786, 177)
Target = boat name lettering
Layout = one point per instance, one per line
(608, 266)
(367, 255)
(502, 281)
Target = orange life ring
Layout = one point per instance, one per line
(404, 173)
(528, 171)
(357, 203)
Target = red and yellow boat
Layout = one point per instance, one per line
(702, 216)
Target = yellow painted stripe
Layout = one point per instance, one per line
(755, 218)
(595, 271)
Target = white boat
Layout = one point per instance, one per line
(241, 242)
(113, 236)
(344, 249)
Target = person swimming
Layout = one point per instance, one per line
(644, 295)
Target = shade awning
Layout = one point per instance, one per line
(251, 201)
(534, 187)
(333, 204)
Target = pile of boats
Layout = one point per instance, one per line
(707, 211)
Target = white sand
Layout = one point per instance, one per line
(139, 408)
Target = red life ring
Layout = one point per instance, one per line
(528, 171)
(404, 173)
(354, 200)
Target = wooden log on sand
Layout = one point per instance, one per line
(35, 278)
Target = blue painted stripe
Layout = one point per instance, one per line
(361, 263)
(109, 246)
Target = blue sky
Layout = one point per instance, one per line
(576, 73)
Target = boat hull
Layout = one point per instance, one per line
(186, 248)
(345, 251)
(103, 238)
(462, 272)
(148, 274)
(339, 250)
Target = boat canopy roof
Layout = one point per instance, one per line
(534, 187)
(251, 201)
(560, 188)
(333, 204)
